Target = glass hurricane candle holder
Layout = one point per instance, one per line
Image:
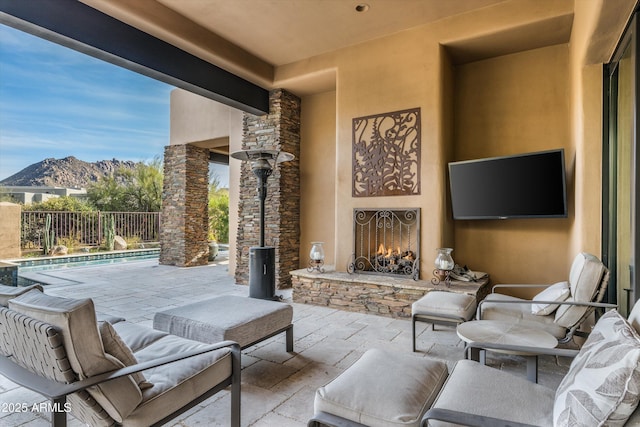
(316, 258)
(444, 264)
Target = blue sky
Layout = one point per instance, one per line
(56, 102)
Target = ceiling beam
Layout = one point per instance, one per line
(80, 27)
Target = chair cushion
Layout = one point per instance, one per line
(520, 313)
(175, 384)
(9, 292)
(584, 280)
(603, 383)
(114, 346)
(76, 321)
(383, 389)
(450, 304)
(556, 292)
(482, 390)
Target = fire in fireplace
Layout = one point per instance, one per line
(387, 241)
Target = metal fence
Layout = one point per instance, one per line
(87, 228)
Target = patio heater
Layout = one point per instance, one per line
(262, 259)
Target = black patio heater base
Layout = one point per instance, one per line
(262, 272)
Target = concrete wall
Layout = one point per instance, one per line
(10, 230)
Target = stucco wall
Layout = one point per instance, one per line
(9, 230)
(509, 105)
(318, 175)
(206, 123)
(531, 100)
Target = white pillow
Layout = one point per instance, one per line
(601, 386)
(556, 292)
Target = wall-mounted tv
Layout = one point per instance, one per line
(530, 185)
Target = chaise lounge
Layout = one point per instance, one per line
(108, 371)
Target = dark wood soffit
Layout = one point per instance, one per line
(80, 27)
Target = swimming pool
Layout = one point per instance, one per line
(80, 260)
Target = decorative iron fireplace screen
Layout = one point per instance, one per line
(387, 241)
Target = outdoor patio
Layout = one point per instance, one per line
(277, 387)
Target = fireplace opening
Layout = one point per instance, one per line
(386, 241)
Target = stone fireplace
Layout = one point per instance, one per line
(386, 241)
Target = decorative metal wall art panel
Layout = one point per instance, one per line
(386, 154)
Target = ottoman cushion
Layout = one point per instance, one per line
(229, 317)
(448, 305)
(491, 392)
(393, 389)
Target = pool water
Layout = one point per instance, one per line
(58, 262)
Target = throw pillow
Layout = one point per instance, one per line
(603, 383)
(557, 292)
(114, 346)
(75, 319)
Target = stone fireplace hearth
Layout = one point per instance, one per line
(378, 294)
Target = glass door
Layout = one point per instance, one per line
(620, 242)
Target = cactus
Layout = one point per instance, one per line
(49, 236)
(109, 232)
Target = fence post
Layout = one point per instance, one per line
(99, 228)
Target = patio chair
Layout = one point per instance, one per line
(559, 313)
(109, 372)
(384, 389)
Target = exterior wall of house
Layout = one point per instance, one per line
(318, 175)
(10, 230)
(509, 105)
(528, 101)
(205, 123)
(535, 100)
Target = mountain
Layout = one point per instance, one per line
(68, 172)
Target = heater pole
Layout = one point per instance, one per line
(262, 175)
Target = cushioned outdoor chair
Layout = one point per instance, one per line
(109, 372)
(560, 309)
(384, 389)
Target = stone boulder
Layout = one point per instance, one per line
(119, 244)
(59, 250)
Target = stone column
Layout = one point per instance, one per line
(278, 130)
(184, 215)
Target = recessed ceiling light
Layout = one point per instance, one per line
(362, 7)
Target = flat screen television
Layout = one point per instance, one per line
(530, 185)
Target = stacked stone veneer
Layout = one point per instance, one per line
(184, 216)
(278, 130)
(370, 293)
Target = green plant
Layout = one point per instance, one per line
(109, 230)
(59, 204)
(49, 236)
(218, 214)
(133, 241)
(137, 190)
(71, 242)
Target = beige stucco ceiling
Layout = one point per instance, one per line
(252, 38)
(285, 31)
